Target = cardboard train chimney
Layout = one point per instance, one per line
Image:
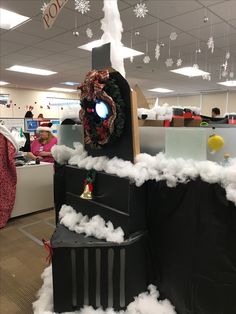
(109, 110)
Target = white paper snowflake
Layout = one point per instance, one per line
(89, 32)
(169, 62)
(157, 51)
(179, 62)
(224, 73)
(196, 66)
(227, 55)
(131, 59)
(225, 65)
(140, 10)
(211, 44)
(231, 74)
(82, 6)
(207, 77)
(173, 36)
(146, 59)
(44, 7)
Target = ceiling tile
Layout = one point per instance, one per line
(8, 47)
(24, 7)
(226, 10)
(53, 46)
(19, 37)
(36, 52)
(192, 20)
(167, 9)
(36, 28)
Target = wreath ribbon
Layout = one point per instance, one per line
(93, 84)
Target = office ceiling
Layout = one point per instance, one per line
(56, 48)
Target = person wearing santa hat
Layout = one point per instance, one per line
(41, 147)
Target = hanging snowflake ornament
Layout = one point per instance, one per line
(211, 44)
(173, 36)
(157, 51)
(82, 6)
(169, 62)
(227, 55)
(231, 74)
(89, 32)
(225, 65)
(207, 77)
(140, 10)
(179, 62)
(131, 59)
(196, 66)
(44, 7)
(146, 59)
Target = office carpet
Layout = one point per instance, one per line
(22, 260)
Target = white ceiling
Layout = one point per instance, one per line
(56, 49)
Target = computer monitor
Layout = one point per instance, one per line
(31, 125)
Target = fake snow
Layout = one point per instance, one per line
(158, 168)
(96, 226)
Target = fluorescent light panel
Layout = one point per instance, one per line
(3, 83)
(70, 83)
(59, 89)
(126, 52)
(161, 90)
(29, 70)
(228, 83)
(189, 71)
(10, 19)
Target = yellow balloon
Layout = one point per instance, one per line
(215, 143)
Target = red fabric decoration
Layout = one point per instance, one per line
(8, 179)
(48, 248)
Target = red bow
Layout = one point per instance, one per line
(48, 248)
(93, 84)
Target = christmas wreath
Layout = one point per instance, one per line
(102, 109)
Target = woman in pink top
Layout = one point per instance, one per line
(41, 147)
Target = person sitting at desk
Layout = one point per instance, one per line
(41, 147)
(215, 112)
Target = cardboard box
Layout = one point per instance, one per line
(151, 122)
(177, 122)
(192, 122)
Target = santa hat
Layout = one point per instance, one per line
(45, 127)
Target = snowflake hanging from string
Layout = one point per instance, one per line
(207, 77)
(224, 73)
(173, 36)
(196, 66)
(44, 7)
(211, 44)
(89, 32)
(131, 59)
(179, 62)
(225, 65)
(146, 59)
(169, 62)
(157, 52)
(82, 6)
(227, 55)
(140, 10)
(231, 75)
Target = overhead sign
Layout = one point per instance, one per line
(52, 11)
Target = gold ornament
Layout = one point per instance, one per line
(215, 143)
(87, 194)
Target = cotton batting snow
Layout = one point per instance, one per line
(96, 226)
(112, 28)
(145, 303)
(158, 168)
